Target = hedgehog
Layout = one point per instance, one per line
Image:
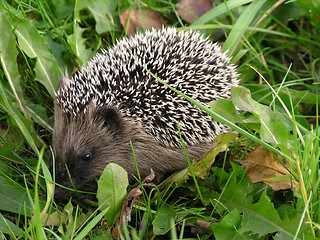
(113, 102)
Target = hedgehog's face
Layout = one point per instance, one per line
(84, 145)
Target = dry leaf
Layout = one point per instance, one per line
(128, 204)
(146, 18)
(190, 10)
(262, 166)
(200, 227)
(200, 168)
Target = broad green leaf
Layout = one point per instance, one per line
(13, 198)
(163, 220)
(39, 115)
(227, 227)
(232, 220)
(69, 217)
(257, 218)
(236, 192)
(64, 8)
(272, 129)
(290, 10)
(76, 41)
(8, 58)
(240, 27)
(262, 218)
(311, 5)
(304, 96)
(112, 190)
(291, 225)
(73, 221)
(226, 109)
(8, 227)
(33, 44)
(80, 5)
(77, 44)
(103, 12)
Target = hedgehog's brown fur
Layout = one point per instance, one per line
(110, 103)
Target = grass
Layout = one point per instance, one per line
(276, 47)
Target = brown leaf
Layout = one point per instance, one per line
(190, 10)
(262, 166)
(146, 18)
(128, 204)
(200, 227)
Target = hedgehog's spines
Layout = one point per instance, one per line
(185, 60)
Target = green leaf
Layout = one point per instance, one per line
(292, 225)
(64, 8)
(24, 125)
(112, 190)
(311, 5)
(77, 44)
(8, 227)
(13, 197)
(239, 28)
(290, 10)
(222, 8)
(227, 227)
(85, 231)
(162, 222)
(262, 218)
(226, 109)
(33, 44)
(103, 12)
(76, 41)
(8, 57)
(258, 218)
(272, 129)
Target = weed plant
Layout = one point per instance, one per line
(276, 45)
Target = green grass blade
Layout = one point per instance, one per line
(239, 28)
(18, 118)
(33, 44)
(9, 228)
(91, 225)
(37, 212)
(222, 8)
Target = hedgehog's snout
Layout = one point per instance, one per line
(70, 185)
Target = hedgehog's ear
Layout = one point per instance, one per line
(110, 118)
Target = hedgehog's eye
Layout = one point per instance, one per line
(86, 157)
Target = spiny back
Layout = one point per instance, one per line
(185, 60)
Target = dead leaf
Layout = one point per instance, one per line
(262, 166)
(146, 18)
(200, 227)
(190, 10)
(128, 204)
(200, 167)
(52, 219)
